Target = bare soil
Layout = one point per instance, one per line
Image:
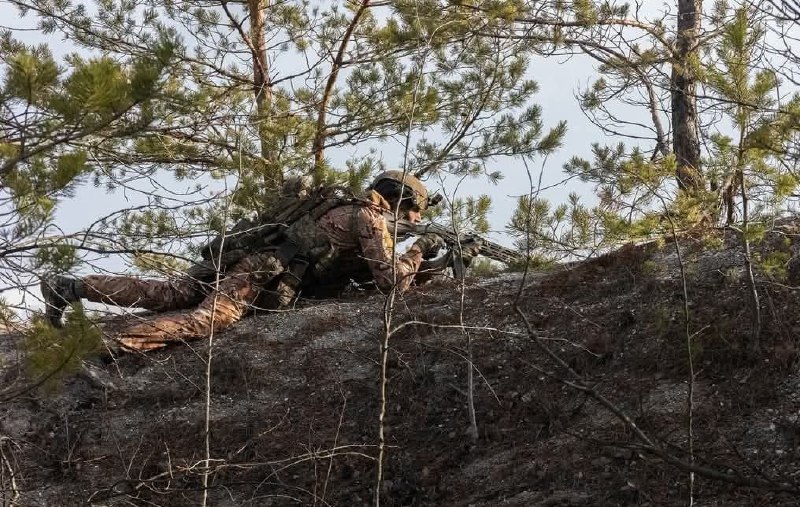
(296, 396)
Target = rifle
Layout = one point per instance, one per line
(489, 249)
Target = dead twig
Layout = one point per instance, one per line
(8, 475)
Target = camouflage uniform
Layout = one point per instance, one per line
(360, 232)
(353, 231)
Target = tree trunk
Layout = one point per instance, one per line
(685, 139)
(338, 61)
(262, 87)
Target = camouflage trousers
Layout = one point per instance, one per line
(214, 306)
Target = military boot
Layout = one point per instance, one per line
(58, 291)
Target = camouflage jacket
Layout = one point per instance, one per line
(359, 231)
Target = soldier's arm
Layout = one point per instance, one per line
(376, 247)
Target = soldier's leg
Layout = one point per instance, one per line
(236, 293)
(59, 291)
(176, 293)
(158, 295)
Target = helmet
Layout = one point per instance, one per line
(394, 185)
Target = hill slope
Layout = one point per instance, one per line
(296, 398)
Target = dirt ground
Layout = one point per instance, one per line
(296, 397)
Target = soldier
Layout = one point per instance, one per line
(347, 241)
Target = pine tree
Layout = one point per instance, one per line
(750, 165)
(657, 65)
(245, 93)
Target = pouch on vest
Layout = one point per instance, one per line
(290, 281)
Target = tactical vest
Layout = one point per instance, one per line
(292, 233)
(295, 214)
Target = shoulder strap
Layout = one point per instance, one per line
(270, 228)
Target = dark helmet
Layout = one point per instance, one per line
(408, 189)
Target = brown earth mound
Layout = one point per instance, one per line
(296, 397)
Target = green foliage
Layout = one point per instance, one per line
(359, 174)
(52, 354)
(469, 214)
(712, 241)
(585, 12)
(567, 230)
(483, 268)
(32, 74)
(774, 265)
(750, 96)
(58, 258)
(473, 93)
(532, 263)
(690, 209)
(162, 265)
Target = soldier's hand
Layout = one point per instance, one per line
(469, 250)
(435, 266)
(429, 244)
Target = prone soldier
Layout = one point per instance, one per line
(324, 248)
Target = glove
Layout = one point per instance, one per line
(435, 266)
(429, 244)
(470, 249)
